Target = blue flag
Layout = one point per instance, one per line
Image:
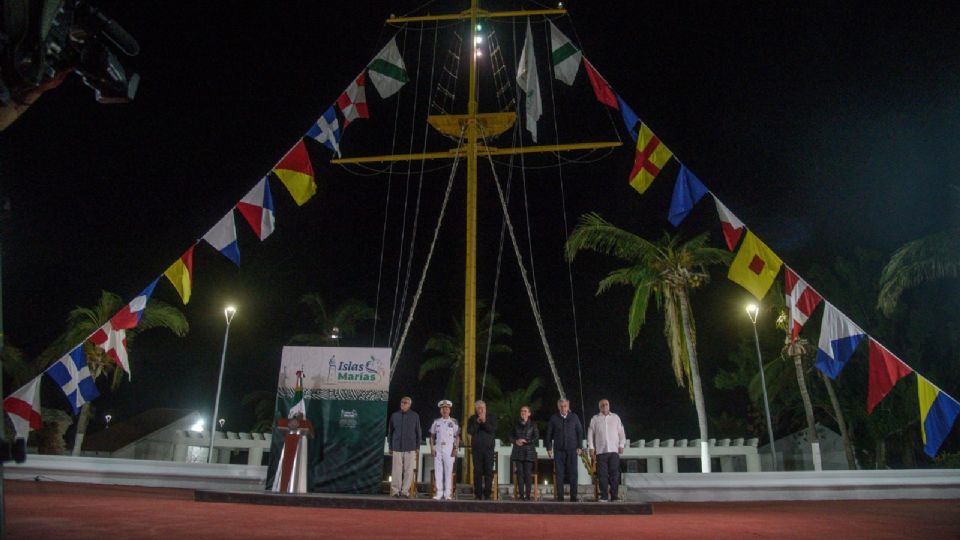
(686, 192)
(630, 118)
(73, 376)
(327, 130)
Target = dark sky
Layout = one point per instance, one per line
(824, 126)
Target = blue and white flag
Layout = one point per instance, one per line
(686, 192)
(73, 376)
(839, 337)
(327, 130)
(223, 238)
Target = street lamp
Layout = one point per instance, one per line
(335, 334)
(228, 313)
(752, 311)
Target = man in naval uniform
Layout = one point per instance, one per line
(444, 442)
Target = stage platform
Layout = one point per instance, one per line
(384, 502)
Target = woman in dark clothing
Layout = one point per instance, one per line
(524, 437)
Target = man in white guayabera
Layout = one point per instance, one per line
(606, 439)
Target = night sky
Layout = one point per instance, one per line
(824, 126)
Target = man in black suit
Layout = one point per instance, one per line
(482, 427)
(564, 435)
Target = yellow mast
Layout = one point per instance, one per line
(469, 124)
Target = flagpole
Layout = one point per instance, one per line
(229, 312)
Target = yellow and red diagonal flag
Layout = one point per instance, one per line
(652, 155)
(180, 274)
(755, 266)
(296, 172)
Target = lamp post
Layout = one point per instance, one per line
(228, 313)
(335, 335)
(752, 311)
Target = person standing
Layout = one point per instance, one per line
(444, 443)
(606, 439)
(403, 438)
(564, 436)
(524, 437)
(482, 427)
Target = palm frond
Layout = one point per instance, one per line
(596, 234)
(926, 259)
(638, 311)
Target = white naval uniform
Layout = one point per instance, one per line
(446, 432)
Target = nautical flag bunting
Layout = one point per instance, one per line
(630, 118)
(72, 374)
(23, 407)
(565, 57)
(839, 338)
(387, 70)
(938, 412)
(686, 193)
(257, 208)
(180, 274)
(731, 226)
(113, 341)
(801, 301)
(129, 316)
(651, 156)
(755, 267)
(296, 171)
(353, 101)
(529, 82)
(885, 370)
(325, 131)
(601, 88)
(223, 238)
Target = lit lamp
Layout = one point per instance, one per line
(228, 313)
(752, 311)
(335, 334)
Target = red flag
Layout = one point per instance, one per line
(885, 370)
(601, 87)
(732, 227)
(801, 301)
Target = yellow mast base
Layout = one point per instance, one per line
(452, 125)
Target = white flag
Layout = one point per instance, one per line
(528, 81)
(387, 71)
(565, 57)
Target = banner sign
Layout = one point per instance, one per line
(345, 390)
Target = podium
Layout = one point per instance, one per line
(292, 474)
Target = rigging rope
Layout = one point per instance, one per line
(416, 214)
(523, 270)
(386, 216)
(398, 313)
(426, 264)
(566, 233)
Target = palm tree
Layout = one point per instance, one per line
(83, 321)
(667, 270)
(929, 258)
(447, 350)
(264, 406)
(341, 322)
(506, 406)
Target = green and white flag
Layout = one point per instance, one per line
(387, 70)
(565, 57)
(529, 82)
(299, 404)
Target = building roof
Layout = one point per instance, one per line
(124, 433)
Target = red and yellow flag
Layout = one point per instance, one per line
(755, 266)
(652, 155)
(296, 173)
(180, 274)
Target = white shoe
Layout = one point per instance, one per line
(438, 497)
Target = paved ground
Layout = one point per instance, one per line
(52, 510)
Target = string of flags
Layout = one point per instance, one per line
(294, 170)
(755, 268)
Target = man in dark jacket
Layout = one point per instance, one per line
(403, 438)
(564, 433)
(482, 427)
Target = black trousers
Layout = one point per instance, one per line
(566, 463)
(482, 472)
(524, 478)
(608, 472)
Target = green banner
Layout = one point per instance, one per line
(345, 393)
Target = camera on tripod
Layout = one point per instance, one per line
(46, 39)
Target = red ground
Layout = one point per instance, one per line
(53, 510)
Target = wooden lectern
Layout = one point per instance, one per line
(291, 476)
